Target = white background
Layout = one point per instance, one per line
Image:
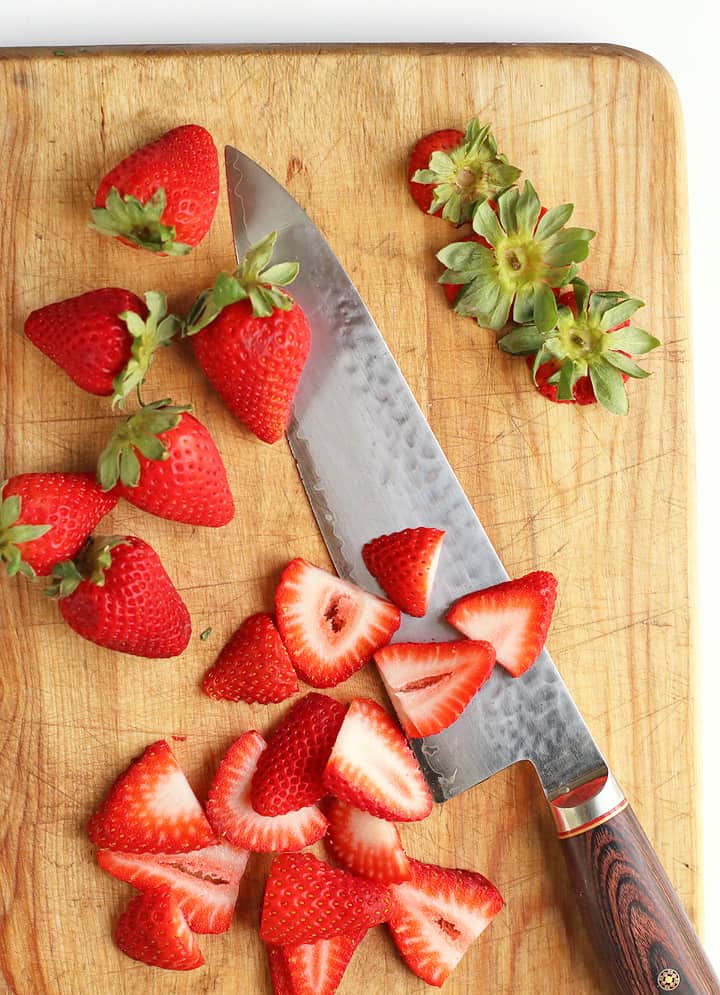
(684, 37)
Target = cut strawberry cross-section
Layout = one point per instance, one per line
(439, 912)
(330, 627)
(367, 846)
(514, 616)
(232, 816)
(152, 929)
(205, 882)
(431, 684)
(373, 768)
(151, 808)
(404, 565)
(312, 968)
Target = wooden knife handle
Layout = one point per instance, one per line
(634, 917)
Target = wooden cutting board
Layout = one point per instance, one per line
(604, 502)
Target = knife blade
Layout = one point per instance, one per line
(370, 464)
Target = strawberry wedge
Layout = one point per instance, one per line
(151, 808)
(514, 616)
(404, 564)
(431, 684)
(373, 768)
(365, 845)
(232, 816)
(438, 913)
(330, 627)
(152, 929)
(205, 882)
(312, 968)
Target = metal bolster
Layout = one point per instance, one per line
(572, 818)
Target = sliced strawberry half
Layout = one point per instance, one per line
(279, 974)
(317, 968)
(404, 564)
(373, 768)
(152, 929)
(439, 912)
(307, 900)
(514, 616)
(330, 627)
(253, 666)
(205, 882)
(232, 816)
(151, 808)
(365, 845)
(289, 772)
(431, 684)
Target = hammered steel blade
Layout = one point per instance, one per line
(370, 465)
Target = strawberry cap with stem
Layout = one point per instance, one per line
(586, 341)
(11, 534)
(254, 280)
(90, 565)
(529, 255)
(118, 460)
(467, 175)
(148, 335)
(140, 224)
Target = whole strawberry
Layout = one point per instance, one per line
(119, 596)
(163, 460)
(585, 356)
(252, 340)
(47, 517)
(163, 196)
(455, 172)
(105, 339)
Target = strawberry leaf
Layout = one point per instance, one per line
(545, 313)
(626, 365)
(553, 220)
(137, 223)
(609, 389)
(118, 460)
(521, 341)
(527, 210)
(620, 313)
(633, 340)
(12, 534)
(148, 335)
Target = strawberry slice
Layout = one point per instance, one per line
(431, 684)
(279, 974)
(514, 616)
(373, 768)
(367, 846)
(151, 808)
(232, 816)
(253, 666)
(289, 772)
(307, 900)
(204, 882)
(404, 565)
(330, 627)
(152, 929)
(439, 912)
(316, 968)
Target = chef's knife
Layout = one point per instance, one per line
(370, 464)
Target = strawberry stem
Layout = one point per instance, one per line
(140, 224)
(12, 534)
(157, 330)
(141, 431)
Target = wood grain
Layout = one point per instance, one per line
(606, 503)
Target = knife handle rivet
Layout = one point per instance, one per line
(668, 980)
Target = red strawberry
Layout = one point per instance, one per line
(252, 340)
(404, 565)
(231, 813)
(119, 596)
(431, 684)
(105, 340)
(152, 929)
(253, 665)
(163, 196)
(514, 616)
(47, 517)
(279, 973)
(163, 460)
(307, 900)
(456, 171)
(331, 628)
(367, 846)
(204, 882)
(439, 912)
(151, 808)
(316, 968)
(373, 768)
(289, 772)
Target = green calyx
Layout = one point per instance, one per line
(140, 224)
(89, 566)
(118, 461)
(586, 341)
(468, 175)
(158, 329)
(254, 280)
(12, 534)
(528, 256)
